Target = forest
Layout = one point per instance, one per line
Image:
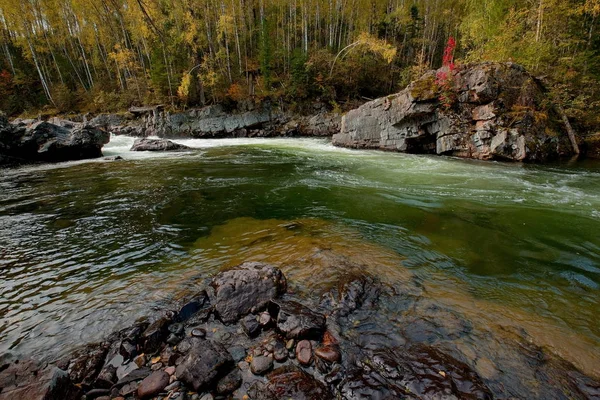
(96, 56)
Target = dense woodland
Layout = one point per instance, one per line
(105, 55)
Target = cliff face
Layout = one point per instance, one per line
(496, 111)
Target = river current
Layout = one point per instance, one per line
(514, 250)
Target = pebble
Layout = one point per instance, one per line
(238, 353)
(157, 366)
(153, 384)
(170, 370)
(199, 332)
(330, 354)
(264, 318)
(140, 360)
(304, 352)
(230, 382)
(207, 396)
(280, 353)
(251, 326)
(290, 344)
(172, 386)
(261, 364)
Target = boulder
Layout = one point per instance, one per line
(205, 363)
(153, 384)
(156, 145)
(497, 111)
(246, 288)
(46, 142)
(26, 379)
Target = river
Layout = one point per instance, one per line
(88, 247)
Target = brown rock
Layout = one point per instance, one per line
(330, 353)
(153, 384)
(304, 352)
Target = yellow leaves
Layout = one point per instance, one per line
(183, 91)
(378, 46)
(225, 26)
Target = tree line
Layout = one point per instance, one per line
(105, 55)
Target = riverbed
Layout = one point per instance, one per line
(492, 255)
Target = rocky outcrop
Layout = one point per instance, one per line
(490, 111)
(215, 122)
(43, 141)
(145, 144)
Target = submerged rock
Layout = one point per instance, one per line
(156, 145)
(295, 320)
(246, 288)
(498, 111)
(204, 364)
(293, 383)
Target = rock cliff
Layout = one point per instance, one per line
(494, 111)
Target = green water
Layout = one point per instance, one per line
(88, 247)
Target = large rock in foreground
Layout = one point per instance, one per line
(247, 288)
(49, 142)
(30, 380)
(496, 111)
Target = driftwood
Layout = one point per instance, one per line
(570, 130)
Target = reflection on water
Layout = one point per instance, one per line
(482, 256)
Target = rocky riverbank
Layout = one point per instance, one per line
(245, 335)
(487, 111)
(215, 122)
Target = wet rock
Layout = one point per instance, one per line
(291, 382)
(329, 353)
(229, 382)
(199, 303)
(153, 384)
(280, 353)
(251, 326)
(238, 353)
(172, 386)
(259, 391)
(173, 339)
(128, 388)
(87, 363)
(261, 364)
(170, 370)
(297, 321)
(154, 336)
(264, 319)
(97, 393)
(248, 287)
(168, 356)
(480, 124)
(304, 352)
(176, 329)
(126, 369)
(199, 333)
(107, 377)
(140, 360)
(128, 350)
(30, 380)
(205, 362)
(156, 145)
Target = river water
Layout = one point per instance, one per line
(88, 247)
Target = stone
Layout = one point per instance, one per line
(107, 377)
(261, 364)
(238, 353)
(128, 350)
(199, 302)
(264, 319)
(145, 144)
(246, 288)
(280, 353)
(207, 396)
(86, 363)
(173, 339)
(297, 321)
(304, 352)
(172, 386)
(291, 382)
(153, 384)
(128, 388)
(27, 379)
(205, 362)
(487, 95)
(154, 336)
(176, 329)
(230, 382)
(330, 353)
(168, 356)
(199, 333)
(140, 360)
(49, 142)
(251, 326)
(170, 370)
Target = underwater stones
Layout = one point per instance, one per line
(304, 352)
(199, 303)
(330, 354)
(291, 382)
(246, 288)
(230, 382)
(297, 321)
(205, 362)
(153, 384)
(261, 364)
